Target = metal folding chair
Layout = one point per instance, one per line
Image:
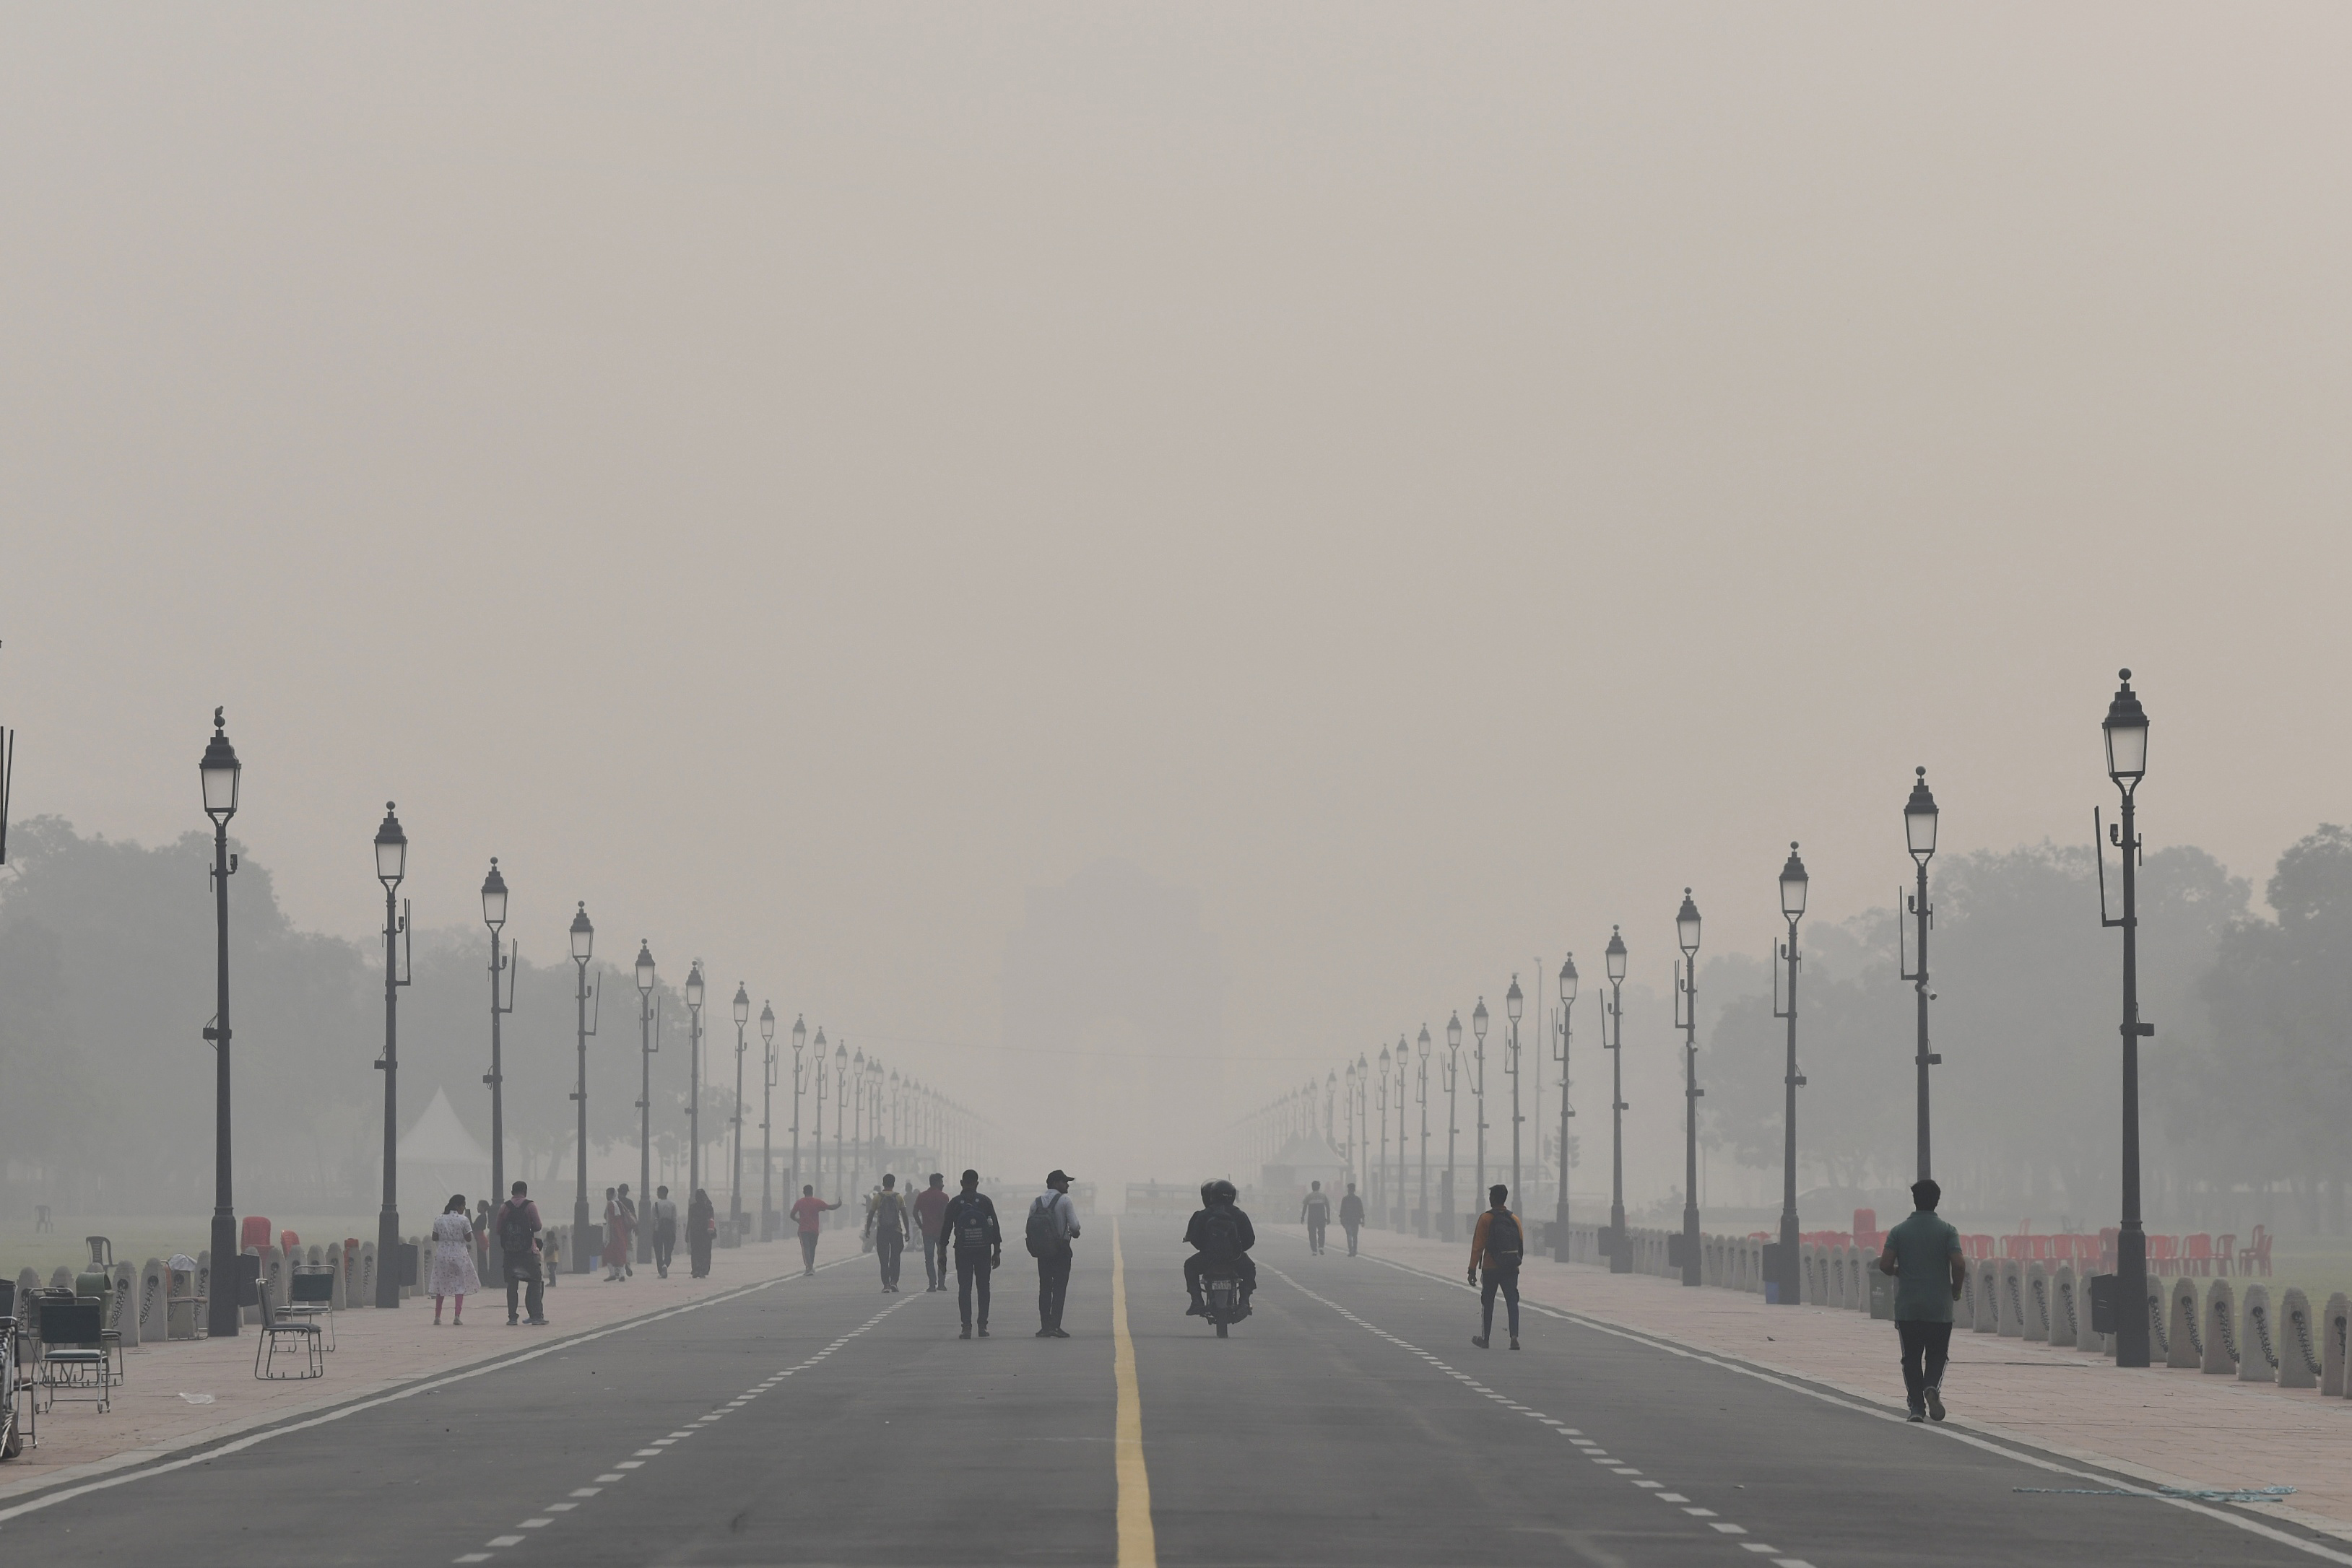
(273, 1329)
(311, 1293)
(75, 1363)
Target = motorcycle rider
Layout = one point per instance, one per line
(1220, 1233)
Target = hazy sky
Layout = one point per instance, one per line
(1430, 481)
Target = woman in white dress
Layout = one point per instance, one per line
(453, 1260)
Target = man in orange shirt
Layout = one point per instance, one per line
(1496, 1246)
(930, 1203)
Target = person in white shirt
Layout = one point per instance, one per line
(664, 1219)
(1052, 1226)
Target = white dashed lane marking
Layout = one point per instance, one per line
(660, 1445)
(1585, 1445)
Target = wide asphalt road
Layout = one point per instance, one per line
(1348, 1422)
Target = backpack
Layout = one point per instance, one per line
(1220, 1238)
(970, 1225)
(514, 1229)
(1045, 1229)
(1504, 1247)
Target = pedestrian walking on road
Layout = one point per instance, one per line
(629, 1234)
(665, 1230)
(886, 1227)
(969, 1225)
(517, 1233)
(1351, 1217)
(1496, 1248)
(1316, 1212)
(929, 1204)
(701, 1225)
(1924, 1255)
(453, 1260)
(616, 1236)
(1052, 1226)
(808, 1213)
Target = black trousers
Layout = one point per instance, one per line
(808, 1250)
(1351, 1241)
(1490, 1280)
(523, 1275)
(1930, 1344)
(935, 1260)
(972, 1270)
(698, 1250)
(1053, 1288)
(887, 1250)
(1244, 1265)
(664, 1243)
(1314, 1228)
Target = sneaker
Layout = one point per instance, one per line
(1917, 1416)
(1061, 1334)
(514, 1323)
(967, 1331)
(983, 1331)
(1514, 1341)
(1935, 1402)
(1479, 1340)
(539, 1323)
(1044, 1334)
(1196, 1311)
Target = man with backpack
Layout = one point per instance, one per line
(517, 1233)
(1351, 1217)
(968, 1224)
(885, 1228)
(1220, 1233)
(1052, 1226)
(1497, 1246)
(1316, 1212)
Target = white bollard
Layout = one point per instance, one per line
(155, 1302)
(2298, 1336)
(2037, 1302)
(2010, 1304)
(2259, 1352)
(2065, 1309)
(1984, 1278)
(2186, 1333)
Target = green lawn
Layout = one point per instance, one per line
(138, 1237)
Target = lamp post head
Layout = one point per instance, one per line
(584, 936)
(800, 1034)
(1424, 1041)
(220, 771)
(2126, 729)
(644, 968)
(743, 1004)
(858, 1061)
(768, 1022)
(1478, 1020)
(1919, 819)
(1404, 1055)
(694, 987)
(494, 897)
(820, 1039)
(391, 851)
(1687, 926)
(1454, 1031)
(1384, 1062)
(1514, 1003)
(1613, 957)
(1792, 886)
(1568, 978)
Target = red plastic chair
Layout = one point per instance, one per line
(2256, 1258)
(253, 1233)
(2163, 1249)
(2197, 1257)
(2225, 1253)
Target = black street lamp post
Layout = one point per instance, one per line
(767, 1120)
(1621, 1256)
(840, 1103)
(742, 1009)
(1420, 1098)
(221, 771)
(2127, 735)
(1380, 1204)
(390, 866)
(584, 944)
(857, 1122)
(1403, 1207)
(1785, 1273)
(693, 1078)
(1514, 1004)
(1686, 934)
(1478, 1093)
(800, 1040)
(647, 1045)
(1559, 1209)
(494, 915)
(1350, 1150)
(1919, 833)
(1453, 1118)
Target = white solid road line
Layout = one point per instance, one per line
(1586, 1446)
(1708, 1358)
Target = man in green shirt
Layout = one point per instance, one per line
(1924, 1255)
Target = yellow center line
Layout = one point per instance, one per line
(1136, 1547)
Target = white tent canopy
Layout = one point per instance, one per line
(438, 1157)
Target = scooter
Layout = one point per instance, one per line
(1220, 1289)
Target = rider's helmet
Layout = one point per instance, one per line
(1222, 1191)
(1208, 1193)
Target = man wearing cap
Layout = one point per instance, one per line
(1052, 1226)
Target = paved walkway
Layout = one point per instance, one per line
(2162, 1426)
(375, 1350)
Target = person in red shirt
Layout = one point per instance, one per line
(809, 1215)
(930, 1203)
